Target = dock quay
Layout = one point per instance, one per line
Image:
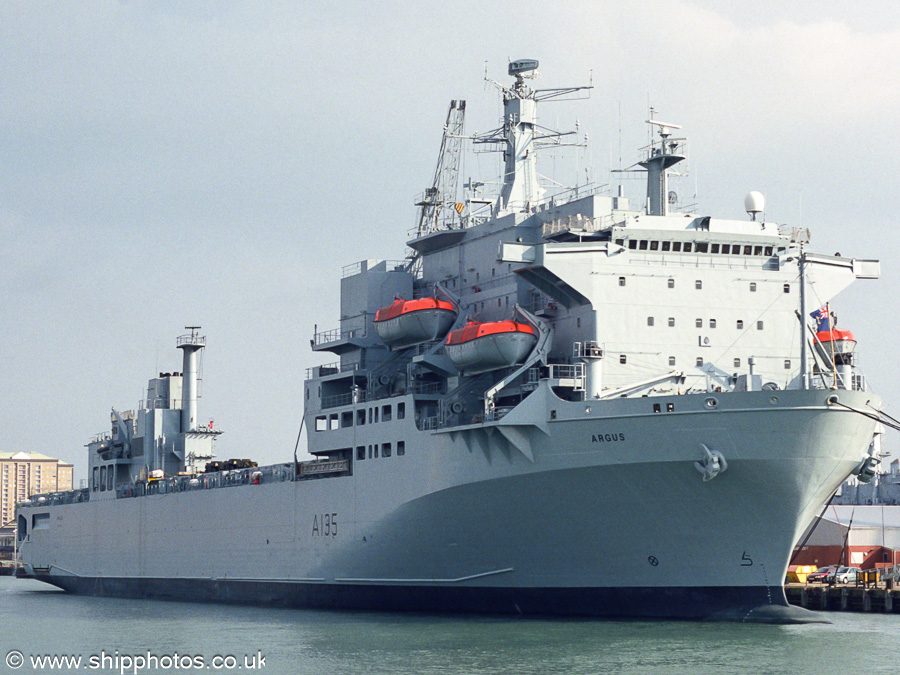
(844, 598)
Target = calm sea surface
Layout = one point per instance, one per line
(37, 620)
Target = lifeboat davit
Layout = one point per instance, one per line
(479, 347)
(837, 341)
(404, 323)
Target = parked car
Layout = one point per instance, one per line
(845, 575)
(822, 575)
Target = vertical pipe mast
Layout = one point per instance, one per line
(191, 343)
(804, 378)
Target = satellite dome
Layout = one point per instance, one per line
(754, 203)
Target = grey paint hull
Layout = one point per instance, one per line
(505, 517)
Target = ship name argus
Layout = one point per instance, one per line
(607, 438)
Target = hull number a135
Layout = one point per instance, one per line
(324, 525)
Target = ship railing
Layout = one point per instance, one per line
(428, 423)
(336, 334)
(428, 388)
(330, 369)
(364, 265)
(705, 261)
(55, 498)
(344, 399)
(494, 415)
(320, 467)
(190, 339)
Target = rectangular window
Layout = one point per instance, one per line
(360, 452)
(360, 417)
(671, 283)
(621, 281)
(687, 247)
(96, 485)
(346, 419)
(401, 448)
(666, 245)
(768, 250)
(702, 247)
(622, 358)
(619, 242)
(386, 413)
(654, 245)
(333, 421)
(375, 414)
(657, 408)
(102, 479)
(748, 250)
(385, 449)
(699, 361)
(737, 363)
(642, 245)
(726, 249)
(649, 320)
(401, 411)
(753, 287)
(321, 423)
(370, 416)
(759, 325)
(787, 288)
(671, 360)
(714, 248)
(698, 284)
(111, 477)
(676, 246)
(787, 364)
(671, 322)
(757, 250)
(632, 244)
(699, 323)
(740, 324)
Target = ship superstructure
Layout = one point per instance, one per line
(556, 403)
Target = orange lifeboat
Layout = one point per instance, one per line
(404, 323)
(837, 341)
(479, 347)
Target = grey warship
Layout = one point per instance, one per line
(560, 402)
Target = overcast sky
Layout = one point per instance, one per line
(171, 163)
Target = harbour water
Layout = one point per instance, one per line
(39, 621)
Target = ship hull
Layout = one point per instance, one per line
(581, 514)
(686, 602)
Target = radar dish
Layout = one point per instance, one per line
(754, 202)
